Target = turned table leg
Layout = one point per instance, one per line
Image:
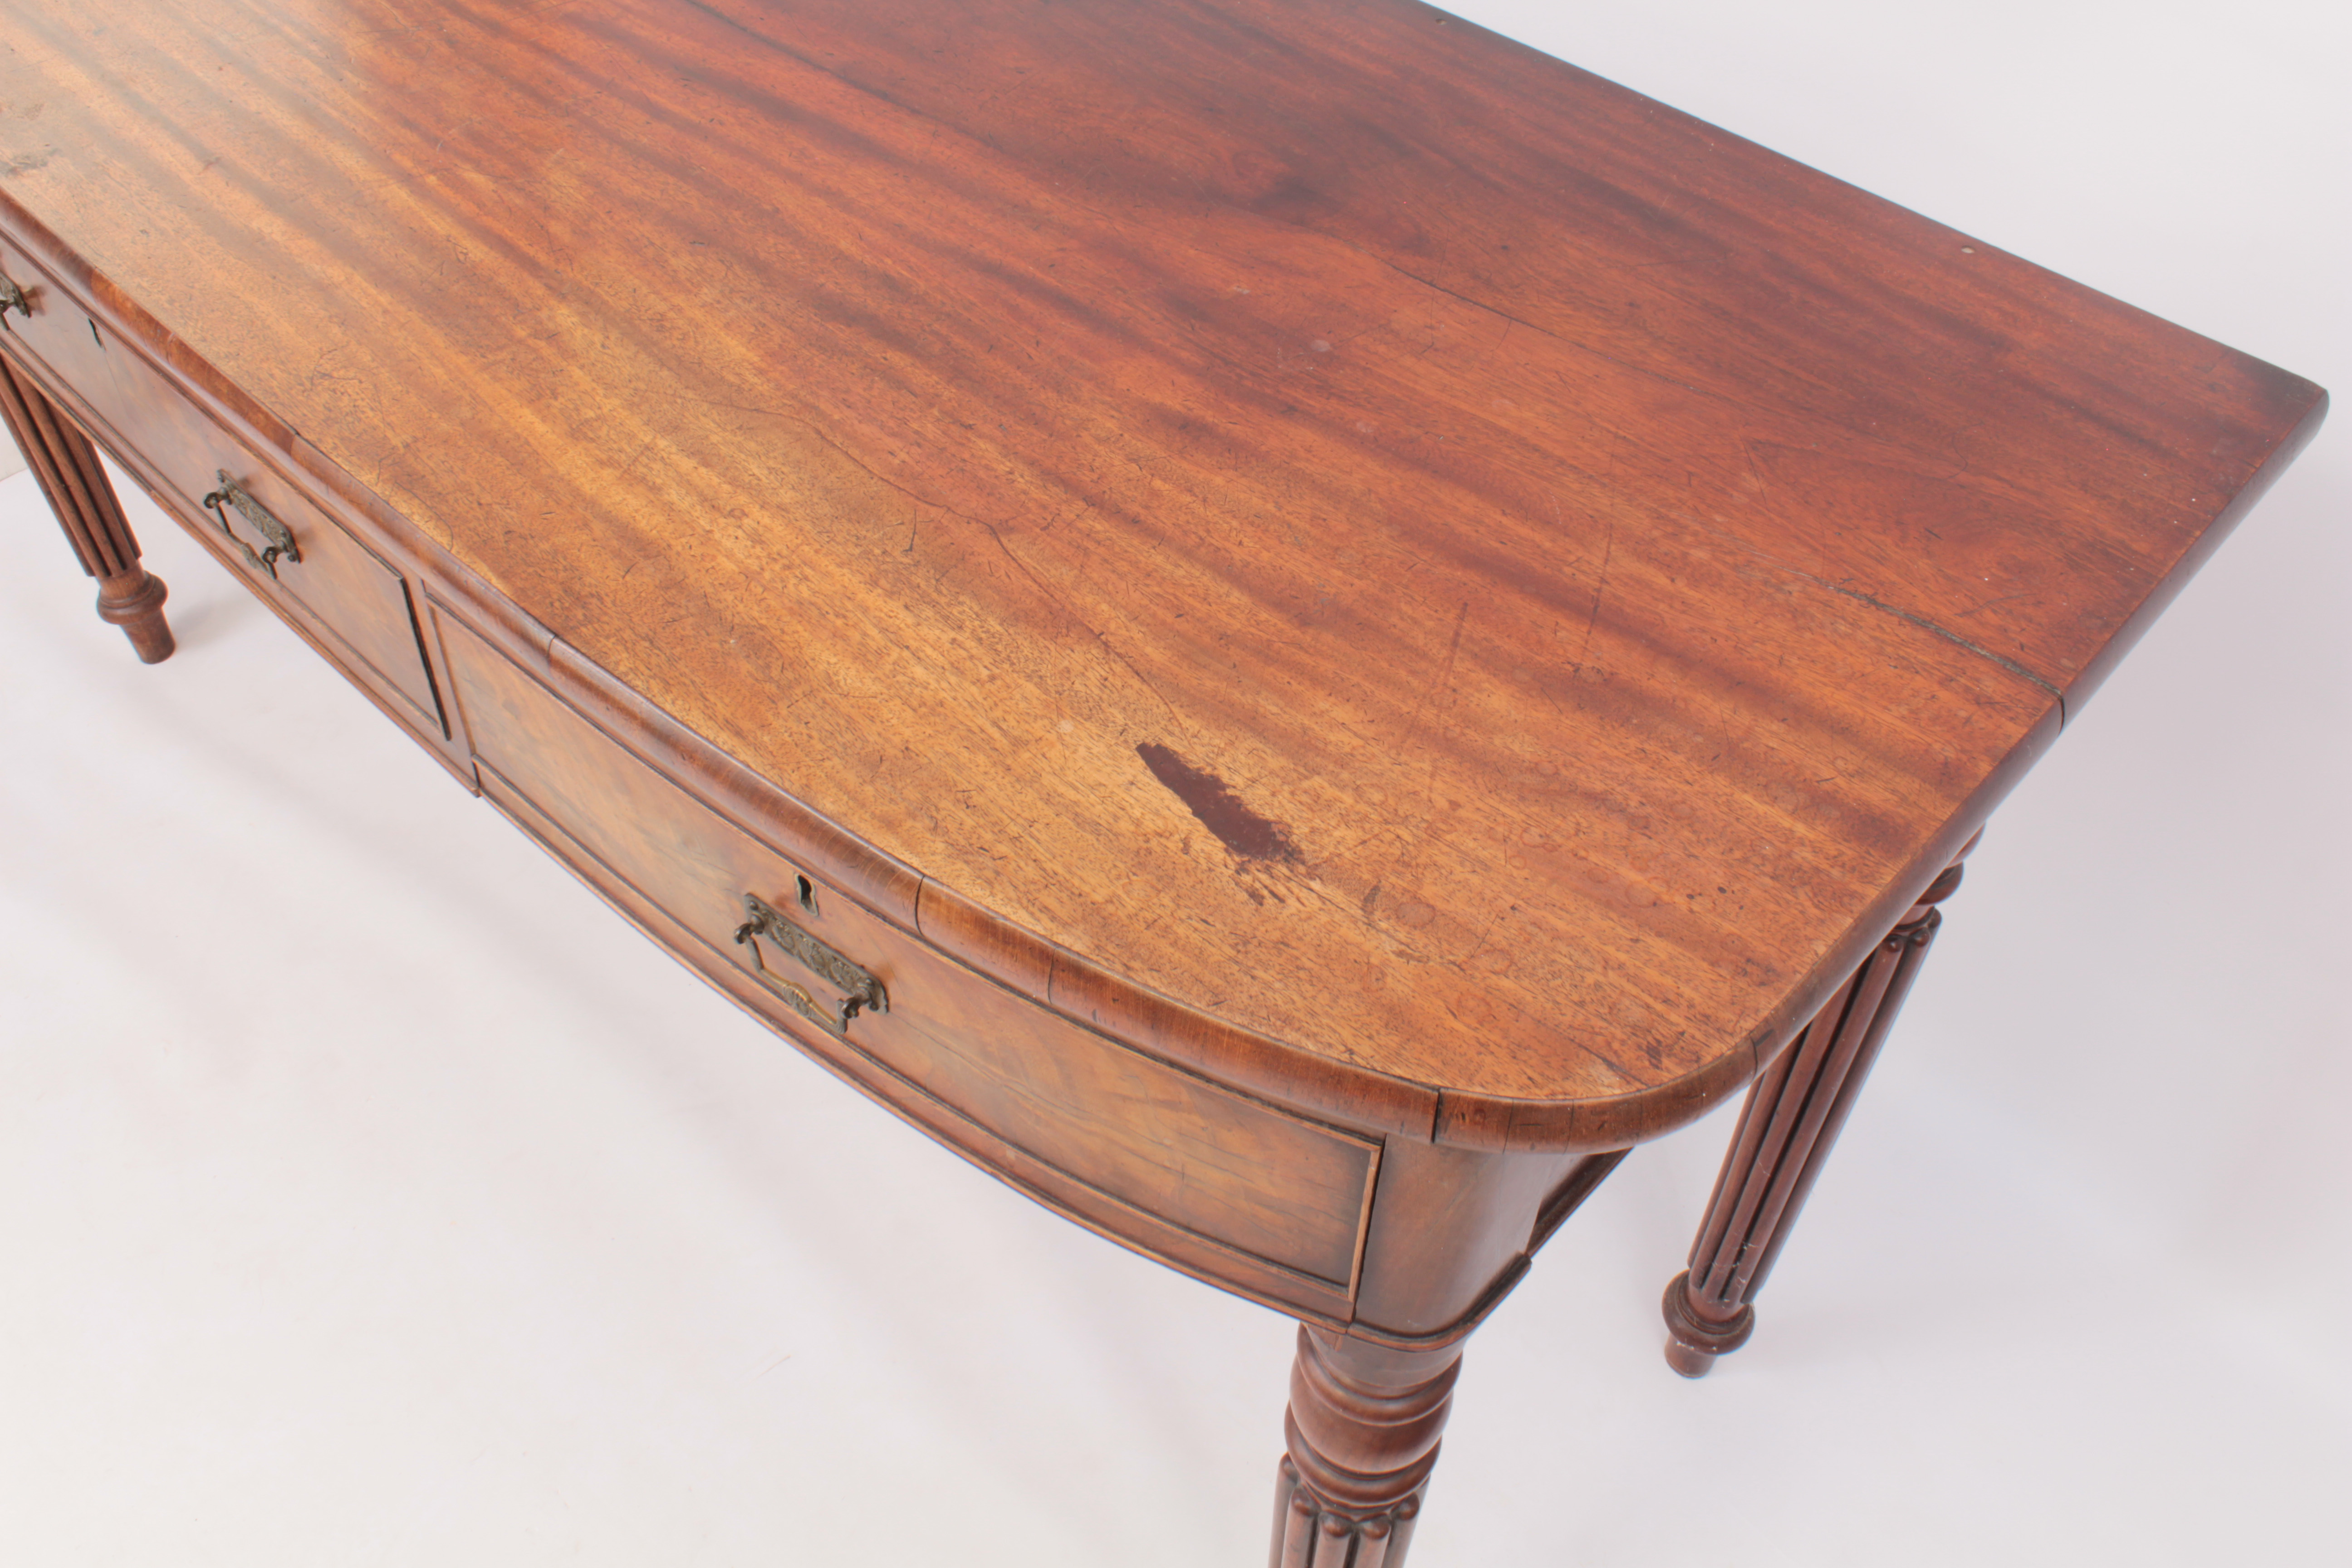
(67, 466)
(1785, 1134)
(1362, 1426)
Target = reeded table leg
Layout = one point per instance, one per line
(1785, 1134)
(67, 466)
(1364, 1425)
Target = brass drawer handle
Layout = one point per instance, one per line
(861, 991)
(280, 536)
(13, 299)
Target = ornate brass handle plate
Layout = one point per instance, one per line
(280, 536)
(13, 299)
(861, 991)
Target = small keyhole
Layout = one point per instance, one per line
(808, 895)
(94, 333)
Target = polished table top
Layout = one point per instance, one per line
(1316, 514)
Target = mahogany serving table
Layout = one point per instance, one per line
(1288, 624)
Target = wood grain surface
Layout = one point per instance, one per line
(1377, 538)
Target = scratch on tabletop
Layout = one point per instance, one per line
(1599, 587)
(1444, 672)
(1057, 600)
(1643, 371)
(1922, 622)
(1988, 604)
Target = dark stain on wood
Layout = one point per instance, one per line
(1221, 811)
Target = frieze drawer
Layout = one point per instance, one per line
(1086, 1119)
(289, 548)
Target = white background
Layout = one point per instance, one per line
(369, 1194)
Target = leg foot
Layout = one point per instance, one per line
(1786, 1130)
(1363, 1428)
(1693, 1340)
(134, 600)
(67, 466)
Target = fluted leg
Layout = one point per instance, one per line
(1362, 1426)
(1785, 1134)
(67, 466)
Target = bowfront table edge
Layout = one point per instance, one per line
(1353, 1104)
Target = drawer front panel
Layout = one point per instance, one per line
(56, 332)
(338, 580)
(1231, 1169)
(342, 585)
